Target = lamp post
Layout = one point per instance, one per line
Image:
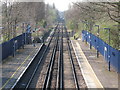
(98, 40)
(108, 48)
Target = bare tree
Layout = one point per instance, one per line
(92, 12)
(14, 13)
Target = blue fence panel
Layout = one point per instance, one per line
(119, 61)
(19, 41)
(109, 53)
(28, 38)
(106, 51)
(12, 45)
(114, 57)
(88, 34)
(93, 41)
(96, 42)
(7, 48)
(101, 47)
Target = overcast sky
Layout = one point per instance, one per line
(61, 5)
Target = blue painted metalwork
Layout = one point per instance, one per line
(109, 53)
(9, 47)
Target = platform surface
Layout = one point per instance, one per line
(12, 67)
(86, 69)
(108, 79)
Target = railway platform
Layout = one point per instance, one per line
(108, 79)
(13, 67)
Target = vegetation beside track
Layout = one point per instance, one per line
(84, 16)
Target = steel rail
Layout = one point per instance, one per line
(60, 83)
(59, 65)
(27, 86)
(72, 62)
(40, 59)
(61, 78)
(47, 81)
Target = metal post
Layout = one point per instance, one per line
(85, 22)
(26, 34)
(90, 38)
(84, 29)
(109, 65)
(108, 49)
(98, 41)
(109, 36)
(14, 49)
(23, 36)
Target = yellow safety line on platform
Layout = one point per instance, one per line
(85, 58)
(16, 70)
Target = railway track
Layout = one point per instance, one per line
(54, 66)
(51, 65)
(60, 83)
(27, 77)
(72, 62)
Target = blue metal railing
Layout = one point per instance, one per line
(110, 54)
(9, 47)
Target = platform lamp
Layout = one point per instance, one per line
(108, 48)
(98, 40)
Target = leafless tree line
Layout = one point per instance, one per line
(22, 13)
(90, 12)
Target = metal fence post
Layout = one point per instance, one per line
(23, 37)
(90, 36)
(90, 41)
(98, 40)
(13, 48)
(108, 47)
